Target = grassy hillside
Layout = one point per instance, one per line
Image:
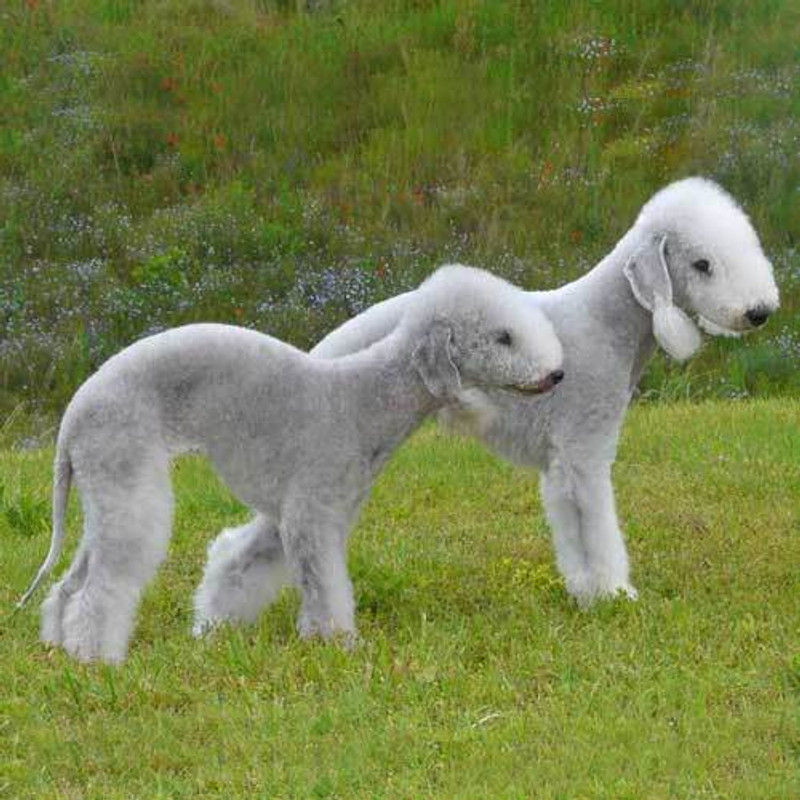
(164, 161)
(477, 678)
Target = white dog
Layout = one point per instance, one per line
(692, 251)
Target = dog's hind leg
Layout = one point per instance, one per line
(53, 606)
(127, 528)
(245, 571)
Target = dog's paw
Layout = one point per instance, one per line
(627, 591)
(328, 631)
(622, 591)
(586, 592)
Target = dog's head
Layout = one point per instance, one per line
(481, 332)
(700, 255)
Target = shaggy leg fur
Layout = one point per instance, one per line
(565, 525)
(590, 549)
(246, 570)
(53, 607)
(314, 540)
(92, 611)
(604, 546)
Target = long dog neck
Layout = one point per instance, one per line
(604, 292)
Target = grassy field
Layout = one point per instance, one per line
(166, 161)
(477, 678)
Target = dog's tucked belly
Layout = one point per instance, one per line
(250, 477)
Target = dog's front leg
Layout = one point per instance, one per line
(314, 539)
(607, 564)
(590, 549)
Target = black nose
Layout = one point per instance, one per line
(556, 376)
(757, 316)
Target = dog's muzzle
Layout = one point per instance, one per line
(545, 385)
(758, 315)
(751, 319)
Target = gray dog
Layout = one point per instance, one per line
(298, 439)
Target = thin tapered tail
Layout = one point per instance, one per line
(62, 477)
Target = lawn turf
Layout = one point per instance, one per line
(477, 676)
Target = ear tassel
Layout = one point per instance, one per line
(675, 333)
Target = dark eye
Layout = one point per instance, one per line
(702, 265)
(504, 338)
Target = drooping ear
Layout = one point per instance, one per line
(648, 276)
(433, 359)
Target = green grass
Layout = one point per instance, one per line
(477, 678)
(166, 161)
